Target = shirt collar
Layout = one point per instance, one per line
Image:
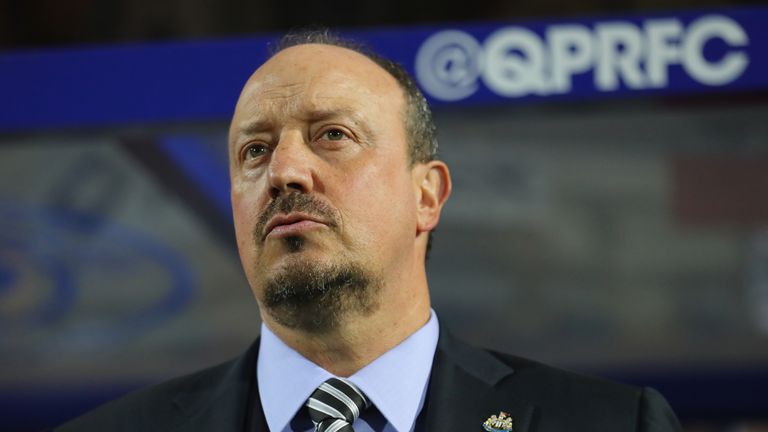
(396, 382)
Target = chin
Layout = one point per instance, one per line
(317, 295)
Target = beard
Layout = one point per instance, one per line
(314, 297)
(317, 298)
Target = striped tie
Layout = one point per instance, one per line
(335, 405)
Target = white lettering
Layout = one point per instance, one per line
(515, 61)
(730, 67)
(620, 48)
(663, 49)
(448, 65)
(571, 53)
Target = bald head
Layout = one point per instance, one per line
(420, 128)
(314, 79)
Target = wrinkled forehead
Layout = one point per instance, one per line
(315, 61)
(309, 78)
(292, 93)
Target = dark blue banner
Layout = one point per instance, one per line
(660, 54)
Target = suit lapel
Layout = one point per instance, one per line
(227, 401)
(463, 390)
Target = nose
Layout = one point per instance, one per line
(290, 166)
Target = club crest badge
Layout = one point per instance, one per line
(500, 423)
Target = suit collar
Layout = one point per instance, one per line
(467, 386)
(476, 362)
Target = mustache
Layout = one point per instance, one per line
(294, 202)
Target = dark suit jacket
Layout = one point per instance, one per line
(467, 385)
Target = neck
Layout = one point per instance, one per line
(359, 339)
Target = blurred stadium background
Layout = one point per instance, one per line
(611, 227)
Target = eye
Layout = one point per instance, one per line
(334, 135)
(255, 151)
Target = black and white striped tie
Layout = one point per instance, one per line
(335, 405)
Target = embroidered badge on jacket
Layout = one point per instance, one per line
(500, 423)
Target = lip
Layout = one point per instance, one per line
(291, 224)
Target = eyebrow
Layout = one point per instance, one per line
(262, 125)
(254, 127)
(319, 115)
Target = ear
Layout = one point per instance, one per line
(433, 186)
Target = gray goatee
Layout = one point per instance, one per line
(317, 299)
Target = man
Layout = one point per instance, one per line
(335, 190)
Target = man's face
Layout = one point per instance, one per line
(320, 174)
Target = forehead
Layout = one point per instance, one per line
(318, 78)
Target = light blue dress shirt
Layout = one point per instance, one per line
(396, 383)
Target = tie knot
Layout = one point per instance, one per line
(335, 405)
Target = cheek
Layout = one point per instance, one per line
(384, 200)
(245, 215)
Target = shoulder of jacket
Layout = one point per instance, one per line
(571, 398)
(155, 402)
(571, 383)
